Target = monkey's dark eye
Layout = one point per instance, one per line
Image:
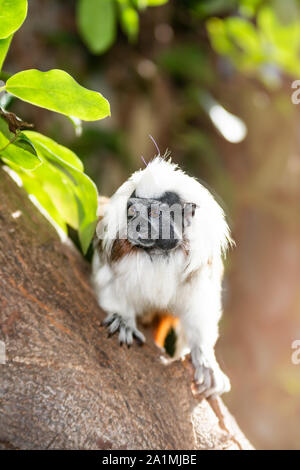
(131, 211)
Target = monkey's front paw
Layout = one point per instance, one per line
(126, 328)
(209, 379)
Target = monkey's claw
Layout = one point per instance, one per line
(126, 328)
(209, 379)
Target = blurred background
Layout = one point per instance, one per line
(211, 81)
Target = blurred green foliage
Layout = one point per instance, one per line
(267, 46)
(187, 61)
(97, 20)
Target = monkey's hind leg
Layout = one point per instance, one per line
(209, 379)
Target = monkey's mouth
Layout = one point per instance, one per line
(145, 242)
(157, 245)
(139, 242)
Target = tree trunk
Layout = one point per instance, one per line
(64, 384)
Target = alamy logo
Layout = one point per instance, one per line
(296, 354)
(148, 219)
(295, 97)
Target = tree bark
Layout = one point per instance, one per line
(64, 384)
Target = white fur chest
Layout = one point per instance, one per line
(150, 283)
(139, 283)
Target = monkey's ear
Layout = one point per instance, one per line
(189, 210)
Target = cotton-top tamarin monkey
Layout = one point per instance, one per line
(159, 246)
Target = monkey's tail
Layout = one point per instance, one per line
(165, 323)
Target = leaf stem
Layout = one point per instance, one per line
(2, 88)
(10, 142)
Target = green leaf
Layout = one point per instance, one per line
(142, 4)
(84, 192)
(12, 16)
(86, 234)
(4, 129)
(60, 151)
(155, 3)
(60, 190)
(35, 185)
(25, 143)
(97, 24)
(58, 91)
(130, 22)
(17, 155)
(10, 152)
(4, 46)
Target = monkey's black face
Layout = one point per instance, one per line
(157, 224)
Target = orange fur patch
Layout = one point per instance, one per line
(165, 323)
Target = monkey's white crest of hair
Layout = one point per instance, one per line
(207, 237)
